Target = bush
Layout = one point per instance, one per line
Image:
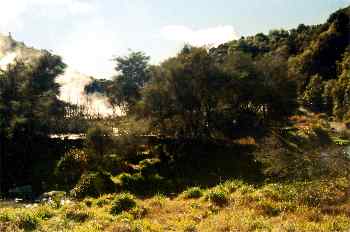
(139, 184)
(232, 185)
(70, 167)
(99, 140)
(217, 196)
(21, 219)
(26, 221)
(77, 215)
(149, 166)
(93, 184)
(104, 200)
(44, 212)
(194, 192)
(123, 202)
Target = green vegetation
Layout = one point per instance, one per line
(123, 202)
(250, 136)
(297, 206)
(217, 196)
(193, 192)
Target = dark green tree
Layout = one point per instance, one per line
(133, 74)
(29, 108)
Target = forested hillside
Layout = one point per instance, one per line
(258, 126)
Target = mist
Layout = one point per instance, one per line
(72, 90)
(72, 83)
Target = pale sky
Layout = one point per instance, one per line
(88, 33)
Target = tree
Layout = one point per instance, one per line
(133, 75)
(180, 99)
(193, 96)
(28, 108)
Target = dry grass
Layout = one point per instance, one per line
(272, 207)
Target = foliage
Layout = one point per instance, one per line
(98, 142)
(98, 86)
(21, 219)
(194, 192)
(312, 97)
(123, 202)
(303, 154)
(126, 87)
(93, 184)
(144, 185)
(217, 196)
(29, 108)
(44, 212)
(71, 166)
(76, 214)
(192, 96)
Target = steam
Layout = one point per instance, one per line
(72, 91)
(72, 82)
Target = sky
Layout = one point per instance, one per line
(89, 33)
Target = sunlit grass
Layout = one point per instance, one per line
(230, 206)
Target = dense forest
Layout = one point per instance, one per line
(264, 114)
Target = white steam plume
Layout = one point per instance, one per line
(72, 82)
(72, 91)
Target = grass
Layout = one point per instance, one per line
(230, 206)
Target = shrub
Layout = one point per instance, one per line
(99, 140)
(21, 219)
(44, 213)
(139, 184)
(149, 166)
(123, 202)
(26, 221)
(194, 192)
(217, 196)
(104, 200)
(77, 215)
(93, 184)
(131, 182)
(232, 185)
(70, 167)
